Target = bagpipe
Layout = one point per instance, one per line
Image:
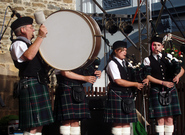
(173, 65)
(176, 61)
(138, 71)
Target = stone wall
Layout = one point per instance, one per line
(24, 8)
(8, 72)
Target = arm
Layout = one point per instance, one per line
(113, 71)
(74, 76)
(125, 83)
(161, 82)
(31, 52)
(178, 76)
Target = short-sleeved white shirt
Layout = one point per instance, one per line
(146, 61)
(18, 48)
(112, 69)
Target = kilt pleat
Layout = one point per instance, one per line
(114, 112)
(34, 104)
(66, 108)
(156, 110)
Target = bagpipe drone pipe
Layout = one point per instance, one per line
(174, 63)
(138, 71)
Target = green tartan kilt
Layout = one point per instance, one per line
(34, 104)
(114, 112)
(66, 108)
(156, 110)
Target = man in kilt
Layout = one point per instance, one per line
(120, 88)
(67, 109)
(34, 102)
(162, 108)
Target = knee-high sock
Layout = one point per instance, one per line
(168, 130)
(75, 130)
(26, 133)
(126, 131)
(38, 133)
(160, 129)
(65, 130)
(116, 131)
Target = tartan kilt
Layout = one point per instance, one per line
(34, 104)
(114, 112)
(66, 108)
(156, 110)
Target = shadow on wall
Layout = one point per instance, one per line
(6, 93)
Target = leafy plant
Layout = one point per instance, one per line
(6, 119)
(175, 52)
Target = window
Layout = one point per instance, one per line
(112, 4)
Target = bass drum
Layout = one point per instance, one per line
(73, 40)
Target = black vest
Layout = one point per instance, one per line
(124, 75)
(29, 68)
(160, 70)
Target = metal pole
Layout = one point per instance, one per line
(159, 16)
(139, 29)
(148, 24)
(162, 2)
(128, 38)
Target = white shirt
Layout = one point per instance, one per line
(146, 61)
(112, 69)
(18, 48)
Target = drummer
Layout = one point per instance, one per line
(34, 103)
(67, 109)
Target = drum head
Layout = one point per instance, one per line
(70, 40)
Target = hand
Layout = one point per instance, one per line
(145, 81)
(176, 79)
(97, 73)
(43, 31)
(168, 84)
(90, 79)
(139, 86)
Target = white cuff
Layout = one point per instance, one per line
(116, 130)
(75, 130)
(126, 130)
(26, 133)
(159, 129)
(38, 133)
(64, 129)
(168, 129)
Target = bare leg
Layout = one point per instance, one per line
(36, 129)
(169, 127)
(126, 129)
(65, 128)
(75, 128)
(160, 127)
(119, 129)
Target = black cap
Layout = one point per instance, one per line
(118, 44)
(156, 39)
(21, 22)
